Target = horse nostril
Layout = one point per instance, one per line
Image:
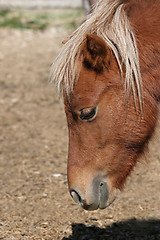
(101, 184)
(76, 196)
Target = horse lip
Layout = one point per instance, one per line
(112, 197)
(90, 207)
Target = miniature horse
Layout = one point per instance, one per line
(108, 72)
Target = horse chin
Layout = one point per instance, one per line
(111, 199)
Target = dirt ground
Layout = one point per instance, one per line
(34, 199)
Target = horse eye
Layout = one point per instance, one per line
(88, 113)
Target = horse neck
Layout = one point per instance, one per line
(148, 35)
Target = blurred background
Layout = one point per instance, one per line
(39, 15)
(34, 199)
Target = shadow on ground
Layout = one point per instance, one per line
(132, 229)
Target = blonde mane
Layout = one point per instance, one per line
(108, 21)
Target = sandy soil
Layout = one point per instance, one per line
(34, 199)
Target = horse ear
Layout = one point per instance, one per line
(96, 53)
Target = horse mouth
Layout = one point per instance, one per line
(101, 205)
(98, 195)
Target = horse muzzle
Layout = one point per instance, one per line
(96, 196)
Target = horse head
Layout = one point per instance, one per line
(109, 77)
(106, 137)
